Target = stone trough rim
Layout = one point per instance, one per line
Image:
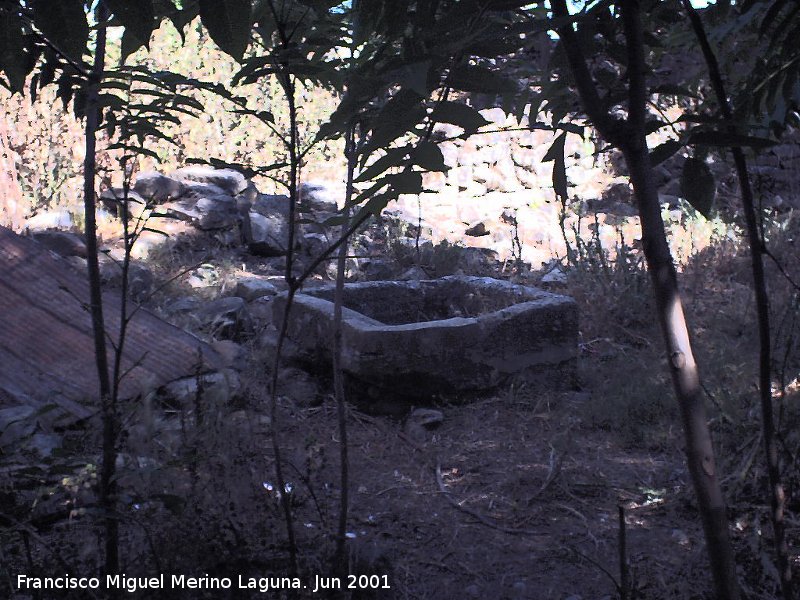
(357, 320)
(458, 354)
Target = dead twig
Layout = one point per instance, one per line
(484, 520)
(599, 567)
(552, 473)
(634, 336)
(583, 518)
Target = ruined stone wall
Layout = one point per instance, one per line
(498, 175)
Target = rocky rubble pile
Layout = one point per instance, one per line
(497, 188)
(226, 205)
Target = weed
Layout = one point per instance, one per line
(437, 260)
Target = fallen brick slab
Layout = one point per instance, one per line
(46, 344)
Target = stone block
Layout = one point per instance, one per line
(444, 337)
(250, 288)
(232, 182)
(157, 187)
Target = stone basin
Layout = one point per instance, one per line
(444, 337)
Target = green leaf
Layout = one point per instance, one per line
(252, 68)
(180, 18)
(138, 17)
(218, 163)
(134, 150)
(335, 221)
(66, 89)
(653, 125)
(473, 78)
(187, 101)
(111, 101)
(130, 44)
(368, 193)
(228, 24)
(13, 58)
(698, 185)
(728, 140)
(407, 182)
(398, 116)
(664, 151)
(375, 204)
(461, 115)
(556, 154)
(394, 157)
(47, 72)
(262, 115)
(428, 156)
(34, 86)
(556, 149)
(64, 24)
(414, 77)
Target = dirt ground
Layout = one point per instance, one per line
(513, 496)
(510, 497)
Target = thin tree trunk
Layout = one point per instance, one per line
(777, 495)
(89, 171)
(685, 379)
(630, 136)
(340, 557)
(280, 480)
(286, 81)
(107, 483)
